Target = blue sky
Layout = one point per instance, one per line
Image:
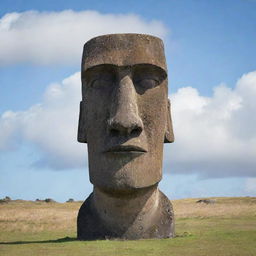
(211, 52)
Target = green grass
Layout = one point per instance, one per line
(226, 228)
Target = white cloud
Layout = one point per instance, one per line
(51, 126)
(215, 136)
(57, 37)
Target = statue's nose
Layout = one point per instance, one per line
(124, 115)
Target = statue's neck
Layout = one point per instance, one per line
(125, 210)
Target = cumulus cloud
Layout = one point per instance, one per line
(57, 37)
(51, 126)
(215, 136)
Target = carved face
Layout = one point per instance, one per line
(124, 114)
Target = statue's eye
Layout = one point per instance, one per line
(147, 77)
(147, 83)
(99, 83)
(100, 77)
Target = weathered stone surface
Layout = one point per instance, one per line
(125, 119)
(92, 226)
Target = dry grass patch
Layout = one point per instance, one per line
(37, 217)
(223, 207)
(41, 216)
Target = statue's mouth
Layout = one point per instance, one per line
(126, 149)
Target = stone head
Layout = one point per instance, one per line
(125, 111)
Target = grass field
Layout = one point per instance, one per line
(226, 228)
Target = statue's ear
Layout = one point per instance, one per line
(81, 135)
(169, 136)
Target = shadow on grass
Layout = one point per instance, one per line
(60, 240)
(71, 239)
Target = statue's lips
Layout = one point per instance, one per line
(126, 149)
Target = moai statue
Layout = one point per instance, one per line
(125, 119)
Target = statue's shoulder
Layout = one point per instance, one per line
(89, 225)
(166, 216)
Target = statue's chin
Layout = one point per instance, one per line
(124, 184)
(124, 190)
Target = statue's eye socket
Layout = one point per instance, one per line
(100, 77)
(100, 83)
(147, 83)
(147, 76)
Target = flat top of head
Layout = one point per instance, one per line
(124, 50)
